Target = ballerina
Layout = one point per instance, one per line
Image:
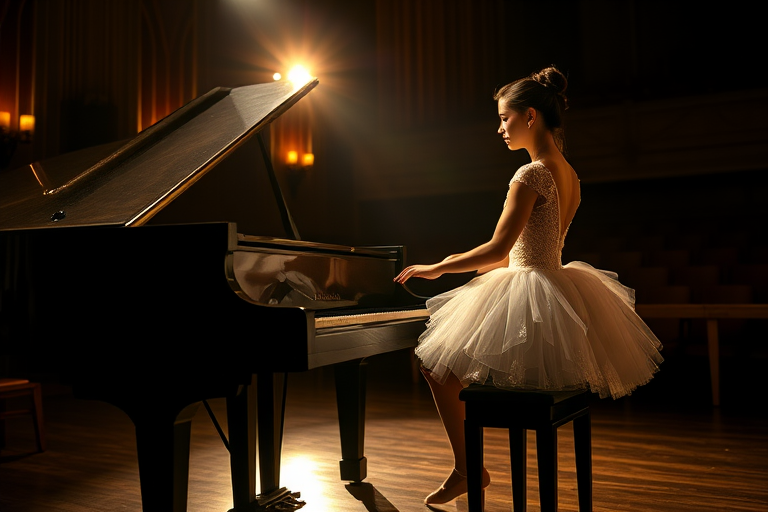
(527, 321)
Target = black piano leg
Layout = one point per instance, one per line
(163, 453)
(270, 414)
(267, 403)
(350, 401)
(241, 420)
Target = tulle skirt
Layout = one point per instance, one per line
(531, 328)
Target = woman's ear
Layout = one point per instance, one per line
(530, 116)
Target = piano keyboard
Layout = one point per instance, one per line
(325, 322)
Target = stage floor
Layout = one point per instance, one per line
(664, 449)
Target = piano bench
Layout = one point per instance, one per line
(20, 388)
(520, 411)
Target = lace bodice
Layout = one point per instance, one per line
(540, 244)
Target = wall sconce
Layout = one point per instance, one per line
(10, 139)
(297, 169)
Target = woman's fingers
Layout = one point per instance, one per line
(406, 274)
(423, 271)
(403, 276)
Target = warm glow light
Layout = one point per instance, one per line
(277, 76)
(27, 123)
(303, 472)
(5, 120)
(307, 159)
(293, 158)
(299, 76)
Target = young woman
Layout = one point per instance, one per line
(527, 321)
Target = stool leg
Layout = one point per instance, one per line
(546, 448)
(518, 448)
(473, 441)
(37, 413)
(582, 439)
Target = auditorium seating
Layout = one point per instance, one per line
(679, 263)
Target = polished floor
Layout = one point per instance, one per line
(664, 449)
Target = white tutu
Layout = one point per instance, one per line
(541, 329)
(537, 324)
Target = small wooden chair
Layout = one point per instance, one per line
(13, 388)
(520, 411)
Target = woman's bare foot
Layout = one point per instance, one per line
(453, 487)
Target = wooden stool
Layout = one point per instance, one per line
(11, 388)
(519, 411)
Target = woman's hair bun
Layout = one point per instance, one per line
(551, 78)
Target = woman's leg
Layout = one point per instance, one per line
(451, 411)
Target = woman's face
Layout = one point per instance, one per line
(513, 127)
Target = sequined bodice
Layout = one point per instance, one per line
(540, 244)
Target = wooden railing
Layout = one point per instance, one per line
(711, 313)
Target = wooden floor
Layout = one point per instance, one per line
(664, 449)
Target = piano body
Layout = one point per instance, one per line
(156, 318)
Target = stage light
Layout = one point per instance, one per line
(299, 75)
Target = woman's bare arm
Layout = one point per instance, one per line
(520, 201)
(494, 266)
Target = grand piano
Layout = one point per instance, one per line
(158, 317)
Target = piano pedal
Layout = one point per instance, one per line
(281, 500)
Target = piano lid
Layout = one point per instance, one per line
(126, 183)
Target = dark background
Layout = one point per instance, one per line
(666, 123)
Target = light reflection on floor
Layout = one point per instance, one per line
(302, 473)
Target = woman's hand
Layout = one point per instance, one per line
(423, 271)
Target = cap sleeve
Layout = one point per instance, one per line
(535, 176)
